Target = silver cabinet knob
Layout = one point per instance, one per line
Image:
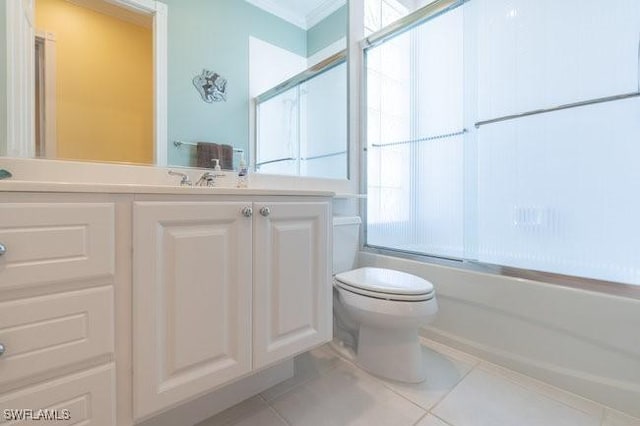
(3, 249)
(247, 211)
(265, 211)
(2, 349)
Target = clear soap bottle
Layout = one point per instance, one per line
(243, 173)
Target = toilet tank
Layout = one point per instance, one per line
(346, 242)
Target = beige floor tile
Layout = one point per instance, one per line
(485, 399)
(616, 418)
(237, 413)
(345, 397)
(431, 420)
(306, 366)
(567, 398)
(444, 372)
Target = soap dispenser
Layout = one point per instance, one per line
(243, 172)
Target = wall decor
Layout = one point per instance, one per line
(211, 86)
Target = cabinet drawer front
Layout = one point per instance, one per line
(53, 331)
(53, 242)
(88, 396)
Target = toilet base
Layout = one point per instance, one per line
(393, 353)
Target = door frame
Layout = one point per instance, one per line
(21, 74)
(47, 89)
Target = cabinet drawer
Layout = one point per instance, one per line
(53, 242)
(53, 331)
(88, 396)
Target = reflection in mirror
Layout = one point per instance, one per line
(102, 103)
(93, 81)
(302, 125)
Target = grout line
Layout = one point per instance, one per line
(442, 420)
(351, 364)
(452, 389)
(277, 413)
(439, 400)
(421, 418)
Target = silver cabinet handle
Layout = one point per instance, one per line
(265, 211)
(247, 211)
(2, 349)
(3, 249)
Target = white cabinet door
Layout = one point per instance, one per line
(192, 300)
(292, 279)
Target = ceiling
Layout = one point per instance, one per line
(303, 13)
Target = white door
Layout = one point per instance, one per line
(192, 300)
(292, 279)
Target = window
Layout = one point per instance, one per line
(380, 13)
(468, 156)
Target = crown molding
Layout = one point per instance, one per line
(322, 11)
(305, 22)
(279, 11)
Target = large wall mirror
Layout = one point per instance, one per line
(226, 78)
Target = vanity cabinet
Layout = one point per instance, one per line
(222, 289)
(57, 273)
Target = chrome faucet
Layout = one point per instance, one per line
(208, 179)
(185, 181)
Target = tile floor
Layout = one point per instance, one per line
(460, 390)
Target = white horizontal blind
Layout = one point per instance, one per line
(554, 191)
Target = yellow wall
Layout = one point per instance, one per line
(104, 75)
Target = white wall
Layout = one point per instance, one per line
(582, 341)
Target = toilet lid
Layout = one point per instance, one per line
(387, 281)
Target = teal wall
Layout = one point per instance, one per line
(329, 30)
(3, 79)
(215, 35)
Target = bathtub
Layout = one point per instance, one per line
(583, 341)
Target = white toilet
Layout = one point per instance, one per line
(377, 312)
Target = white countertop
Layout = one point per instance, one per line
(12, 185)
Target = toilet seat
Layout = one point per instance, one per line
(385, 284)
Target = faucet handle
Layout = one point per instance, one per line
(185, 181)
(208, 179)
